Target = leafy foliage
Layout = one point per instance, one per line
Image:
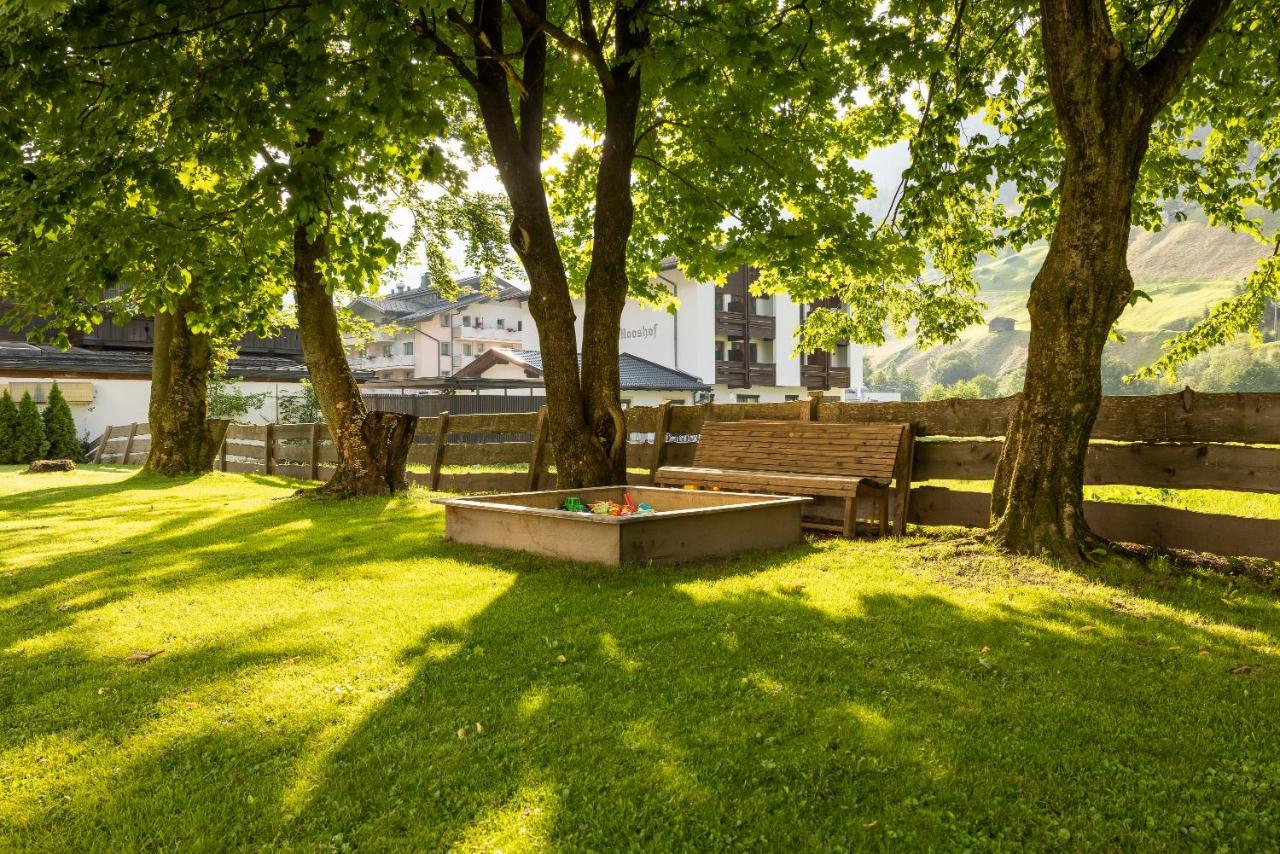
(300, 408)
(29, 438)
(8, 429)
(230, 401)
(60, 428)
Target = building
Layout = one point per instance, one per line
(729, 343)
(106, 374)
(642, 382)
(419, 333)
(741, 345)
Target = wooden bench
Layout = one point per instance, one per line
(803, 458)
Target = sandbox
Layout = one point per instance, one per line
(686, 525)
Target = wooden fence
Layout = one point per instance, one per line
(1184, 440)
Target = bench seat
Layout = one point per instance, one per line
(845, 461)
(808, 484)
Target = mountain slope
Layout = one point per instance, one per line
(1185, 268)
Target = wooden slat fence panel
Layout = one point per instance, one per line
(1145, 524)
(499, 453)
(1171, 466)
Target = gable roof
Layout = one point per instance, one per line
(411, 306)
(20, 359)
(636, 374)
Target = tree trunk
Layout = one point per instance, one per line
(372, 447)
(584, 414)
(183, 441)
(1105, 107)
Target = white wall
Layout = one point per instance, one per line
(787, 320)
(124, 401)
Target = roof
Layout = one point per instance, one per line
(636, 374)
(411, 306)
(74, 361)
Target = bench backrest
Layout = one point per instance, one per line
(802, 447)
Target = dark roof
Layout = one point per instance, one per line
(636, 374)
(77, 360)
(411, 306)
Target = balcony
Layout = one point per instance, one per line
(818, 377)
(735, 373)
(376, 362)
(740, 318)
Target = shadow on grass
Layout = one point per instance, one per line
(719, 705)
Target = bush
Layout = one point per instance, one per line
(8, 429)
(227, 402)
(60, 428)
(31, 442)
(301, 408)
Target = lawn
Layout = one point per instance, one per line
(337, 676)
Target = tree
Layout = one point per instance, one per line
(293, 126)
(1089, 114)
(751, 121)
(30, 442)
(952, 367)
(60, 427)
(8, 429)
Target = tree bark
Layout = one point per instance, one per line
(372, 447)
(183, 440)
(1105, 108)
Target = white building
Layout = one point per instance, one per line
(110, 388)
(739, 344)
(420, 334)
(721, 341)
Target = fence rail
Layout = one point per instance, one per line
(1184, 440)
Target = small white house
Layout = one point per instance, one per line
(113, 387)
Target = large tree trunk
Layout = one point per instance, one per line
(1105, 107)
(183, 441)
(584, 414)
(372, 447)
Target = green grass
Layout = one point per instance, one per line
(321, 659)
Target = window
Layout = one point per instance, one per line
(444, 320)
(790, 398)
(748, 398)
(719, 350)
(444, 348)
(519, 326)
(502, 324)
(626, 403)
(386, 349)
(466, 349)
(466, 320)
(408, 348)
(72, 392)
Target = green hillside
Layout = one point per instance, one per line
(1185, 268)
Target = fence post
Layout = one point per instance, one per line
(268, 453)
(128, 445)
(662, 422)
(437, 453)
(902, 480)
(222, 451)
(102, 445)
(315, 450)
(537, 463)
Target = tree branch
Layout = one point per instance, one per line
(1165, 71)
(530, 16)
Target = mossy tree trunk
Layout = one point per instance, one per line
(183, 440)
(1105, 107)
(372, 447)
